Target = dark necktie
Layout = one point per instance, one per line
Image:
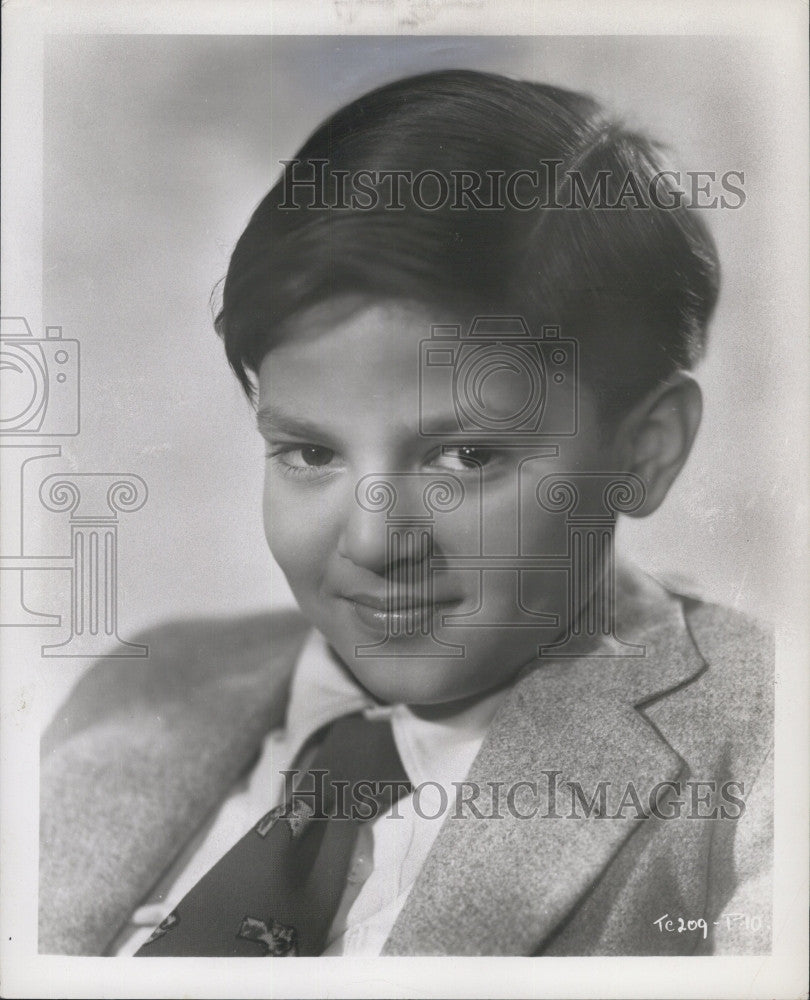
(277, 890)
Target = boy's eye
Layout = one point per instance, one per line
(311, 456)
(462, 457)
(304, 461)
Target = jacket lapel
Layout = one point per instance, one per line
(504, 886)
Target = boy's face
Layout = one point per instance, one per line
(346, 402)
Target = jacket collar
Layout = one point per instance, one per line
(583, 720)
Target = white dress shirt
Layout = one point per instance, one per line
(390, 850)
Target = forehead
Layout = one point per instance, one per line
(358, 364)
(349, 348)
(355, 318)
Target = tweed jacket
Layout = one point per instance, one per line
(142, 753)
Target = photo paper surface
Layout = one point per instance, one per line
(404, 464)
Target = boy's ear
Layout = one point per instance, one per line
(655, 438)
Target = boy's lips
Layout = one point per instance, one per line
(399, 613)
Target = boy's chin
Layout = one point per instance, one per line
(419, 680)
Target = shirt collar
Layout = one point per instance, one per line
(322, 690)
(439, 750)
(442, 750)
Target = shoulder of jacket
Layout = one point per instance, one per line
(724, 633)
(720, 631)
(739, 651)
(184, 656)
(722, 721)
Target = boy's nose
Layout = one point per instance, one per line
(363, 539)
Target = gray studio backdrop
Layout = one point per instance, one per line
(157, 148)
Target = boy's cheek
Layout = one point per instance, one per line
(296, 525)
(296, 543)
(296, 551)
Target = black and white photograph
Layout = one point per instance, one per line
(405, 460)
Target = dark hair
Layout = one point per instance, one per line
(635, 283)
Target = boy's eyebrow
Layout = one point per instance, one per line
(446, 423)
(269, 419)
(272, 420)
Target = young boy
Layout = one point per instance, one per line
(467, 310)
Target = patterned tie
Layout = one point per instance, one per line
(277, 890)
